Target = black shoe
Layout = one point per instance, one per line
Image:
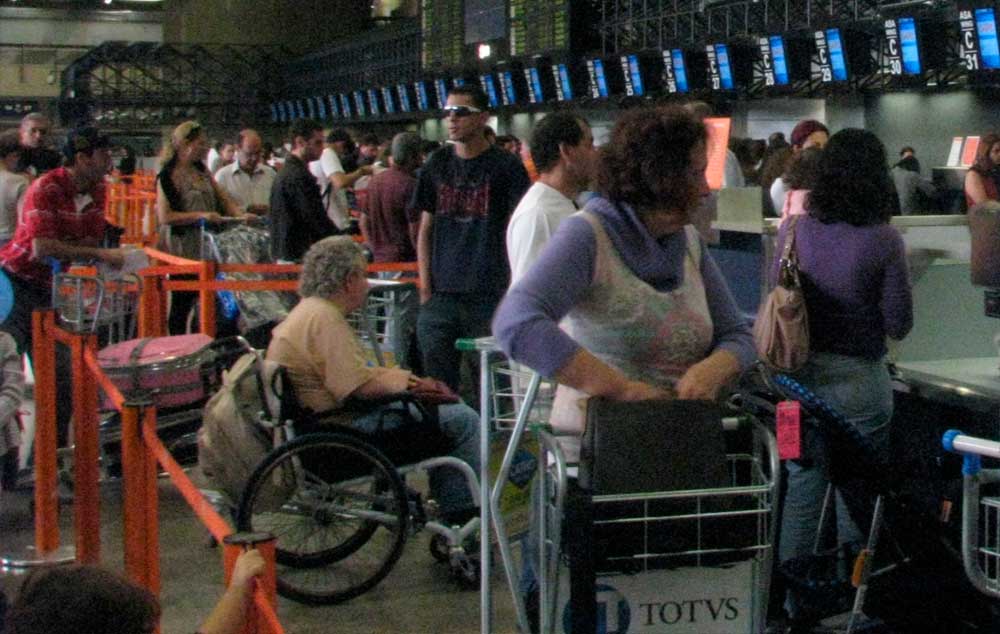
(531, 607)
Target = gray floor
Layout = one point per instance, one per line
(416, 597)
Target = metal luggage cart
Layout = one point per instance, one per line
(678, 542)
(98, 304)
(980, 514)
(388, 319)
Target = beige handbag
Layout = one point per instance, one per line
(781, 330)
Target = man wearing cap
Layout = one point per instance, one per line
(36, 156)
(333, 179)
(806, 134)
(63, 219)
(466, 193)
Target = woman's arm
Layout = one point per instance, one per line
(590, 375)
(975, 189)
(167, 216)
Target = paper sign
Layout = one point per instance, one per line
(789, 430)
(718, 144)
(956, 152)
(969, 151)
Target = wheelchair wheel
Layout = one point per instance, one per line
(339, 512)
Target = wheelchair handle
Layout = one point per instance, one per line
(973, 449)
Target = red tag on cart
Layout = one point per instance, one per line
(789, 430)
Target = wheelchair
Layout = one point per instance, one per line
(337, 501)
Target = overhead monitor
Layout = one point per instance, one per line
(512, 85)
(720, 70)
(986, 32)
(345, 106)
(490, 88)
(441, 90)
(675, 79)
(374, 108)
(359, 104)
(388, 102)
(320, 107)
(334, 105)
(404, 98)
(598, 79)
(831, 54)
(533, 81)
(903, 55)
(563, 82)
(774, 62)
(632, 71)
(276, 113)
(422, 97)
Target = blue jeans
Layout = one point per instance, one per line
(860, 390)
(443, 319)
(460, 425)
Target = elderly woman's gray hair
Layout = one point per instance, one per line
(327, 264)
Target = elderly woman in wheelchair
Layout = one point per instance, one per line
(348, 513)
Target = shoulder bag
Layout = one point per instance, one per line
(781, 330)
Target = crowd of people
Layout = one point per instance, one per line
(584, 262)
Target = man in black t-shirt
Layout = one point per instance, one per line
(466, 193)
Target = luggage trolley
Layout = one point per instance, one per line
(980, 514)
(697, 561)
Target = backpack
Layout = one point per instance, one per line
(235, 435)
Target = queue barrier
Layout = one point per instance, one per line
(142, 451)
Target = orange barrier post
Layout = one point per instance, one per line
(140, 526)
(86, 456)
(206, 297)
(46, 440)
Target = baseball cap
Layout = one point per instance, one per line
(84, 140)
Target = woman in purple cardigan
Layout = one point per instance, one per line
(853, 268)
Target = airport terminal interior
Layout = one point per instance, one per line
(500, 316)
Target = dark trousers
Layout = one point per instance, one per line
(445, 318)
(28, 297)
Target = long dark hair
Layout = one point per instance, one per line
(984, 164)
(853, 183)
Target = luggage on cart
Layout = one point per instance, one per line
(170, 371)
(675, 530)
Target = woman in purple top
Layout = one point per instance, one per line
(853, 268)
(625, 302)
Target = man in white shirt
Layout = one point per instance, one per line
(332, 179)
(248, 181)
(562, 148)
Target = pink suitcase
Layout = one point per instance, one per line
(171, 371)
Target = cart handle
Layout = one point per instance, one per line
(972, 448)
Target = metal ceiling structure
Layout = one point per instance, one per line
(146, 83)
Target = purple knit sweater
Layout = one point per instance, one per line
(856, 283)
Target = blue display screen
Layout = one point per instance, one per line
(359, 103)
(725, 68)
(404, 98)
(602, 81)
(507, 82)
(567, 86)
(334, 106)
(838, 62)
(458, 81)
(778, 60)
(320, 107)
(680, 71)
(300, 109)
(986, 27)
(536, 85)
(909, 46)
(490, 88)
(636, 75)
(441, 87)
(373, 101)
(345, 105)
(423, 103)
(275, 116)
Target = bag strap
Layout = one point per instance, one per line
(787, 251)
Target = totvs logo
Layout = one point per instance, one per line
(691, 611)
(614, 614)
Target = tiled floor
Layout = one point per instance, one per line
(417, 597)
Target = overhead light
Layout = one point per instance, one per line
(485, 51)
(107, 1)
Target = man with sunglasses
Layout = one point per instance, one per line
(466, 192)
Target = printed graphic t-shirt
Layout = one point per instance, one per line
(472, 201)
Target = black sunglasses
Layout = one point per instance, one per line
(460, 111)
